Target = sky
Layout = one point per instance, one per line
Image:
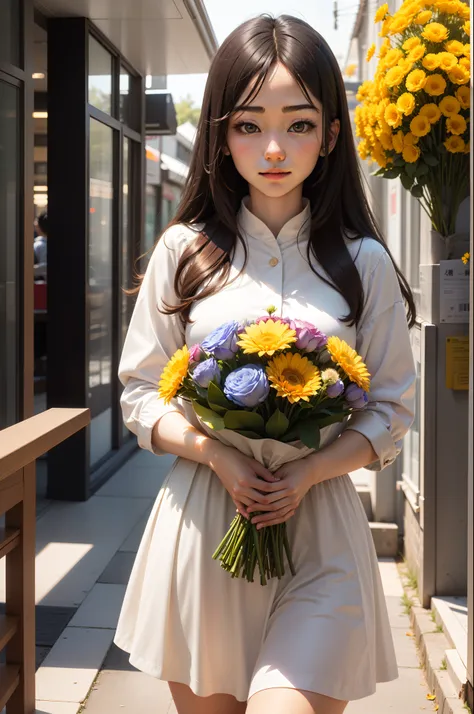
(225, 15)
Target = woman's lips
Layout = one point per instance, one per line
(275, 175)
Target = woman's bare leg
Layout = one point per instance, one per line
(189, 703)
(293, 701)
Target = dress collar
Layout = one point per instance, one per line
(297, 228)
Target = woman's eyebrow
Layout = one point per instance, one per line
(285, 110)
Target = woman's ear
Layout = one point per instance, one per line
(226, 150)
(333, 135)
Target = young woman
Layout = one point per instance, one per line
(273, 214)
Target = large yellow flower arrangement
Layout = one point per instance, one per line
(413, 117)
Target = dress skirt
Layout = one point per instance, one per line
(326, 630)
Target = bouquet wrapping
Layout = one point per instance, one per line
(267, 388)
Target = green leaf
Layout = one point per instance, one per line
(422, 169)
(217, 399)
(309, 433)
(277, 425)
(407, 181)
(410, 170)
(332, 419)
(249, 421)
(430, 160)
(248, 434)
(399, 161)
(392, 173)
(210, 418)
(417, 191)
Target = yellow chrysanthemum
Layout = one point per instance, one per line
(411, 154)
(454, 47)
(399, 24)
(447, 61)
(463, 97)
(394, 76)
(385, 139)
(466, 63)
(405, 65)
(417, 53)
(435, 32)
(411, 43)
(416, 80)
(294, 377)
(459, 75)
(455, 145)
(349, 361)
(406, 103)
(431, 112)
(467, 50)
(420, 126)
(423, 17)
(381, 13)
(392, 116)
(430, 62)
(384, 48)
(392, 57)
(456, 124)
(465, 258)
(385, 27)
(410, 139)
(397, 141)
(173, 375)
(435, 85)
(467, 28)
(266, 338)
(370, 52)
(449, 106)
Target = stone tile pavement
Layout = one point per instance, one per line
(85, 552)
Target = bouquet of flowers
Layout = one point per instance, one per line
(252, 385)
(413, 117)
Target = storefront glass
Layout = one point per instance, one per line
(100, 288)
(9, 242)
(10, 32)
(100, 76)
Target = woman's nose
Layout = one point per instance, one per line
(274, 152)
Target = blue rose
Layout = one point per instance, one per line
(356, 397)
(222, 342)
(207, 371)
(247, 386)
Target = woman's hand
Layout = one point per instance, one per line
(295, 480)
(246, 480)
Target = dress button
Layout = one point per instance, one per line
(273, 262)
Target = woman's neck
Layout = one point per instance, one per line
(275, 212)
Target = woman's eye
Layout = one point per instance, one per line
(247, 128)
(301, 127)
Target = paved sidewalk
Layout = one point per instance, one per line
(85, 552)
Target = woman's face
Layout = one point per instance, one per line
(276, 142)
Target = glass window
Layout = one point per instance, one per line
(10, 44)
(129, 99)
(100, 76)
(126, 300)
(125, 81)
(9, 239)
(100, 287)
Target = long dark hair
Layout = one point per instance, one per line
(214, 189)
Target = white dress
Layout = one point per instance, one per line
(183, 618)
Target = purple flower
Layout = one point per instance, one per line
(335, 390)
(222, 342)
(247, 386)
(308, 337)
(196, 353)
(355, 397)
(207, 371)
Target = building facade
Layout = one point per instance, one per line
(430, 488)
(73, 141)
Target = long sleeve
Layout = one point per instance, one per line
(152, 339)
(384, 344)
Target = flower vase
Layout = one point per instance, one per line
(448, 247)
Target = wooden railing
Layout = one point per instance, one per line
(20, 446)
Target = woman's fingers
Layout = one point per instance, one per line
(272, 502)
(278, 517)
(263, 472)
